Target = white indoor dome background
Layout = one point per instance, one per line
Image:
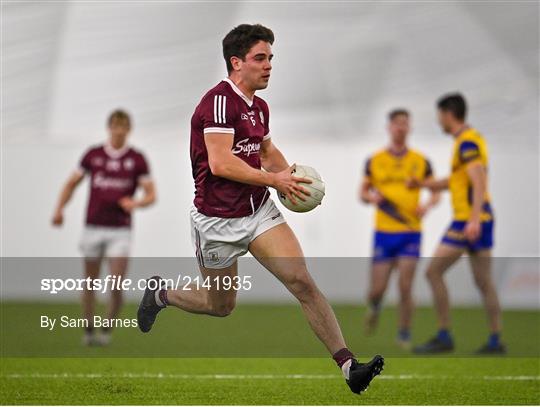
(338, 69)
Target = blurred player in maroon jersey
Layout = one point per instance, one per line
(116, 170)
(233, 212)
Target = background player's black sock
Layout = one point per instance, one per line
(375, 305)
(89, 330)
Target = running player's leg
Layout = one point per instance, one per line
(118, 267)
(91, 270)
(217, 243)
(92, 266)
(215, 300)
(380, 275)
(444, 257)
(207, 297)
(481, 267)
(92, 249)
(278, 250)
(116, 247)
(406, 267)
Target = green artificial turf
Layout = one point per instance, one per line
(261, 354)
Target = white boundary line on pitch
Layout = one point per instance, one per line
(246, 376)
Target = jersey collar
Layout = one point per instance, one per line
(396, 154)
(115, 152)
(239, 92)
(462, 130)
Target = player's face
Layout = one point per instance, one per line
(445, 120)
(119, 131)
(398, 128)
(256, 67)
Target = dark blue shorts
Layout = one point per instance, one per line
(454, 236)
(388, 246)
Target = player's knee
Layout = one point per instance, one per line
(376, 293)
(432, 274)
(302, 286)
(405, 291)
(117, 295)
(223, 309)
(482, 284)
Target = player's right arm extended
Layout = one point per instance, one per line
(435, 184)
(65, 195)
(223, 163)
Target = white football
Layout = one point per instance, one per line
(316, 188)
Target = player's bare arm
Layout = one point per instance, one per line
(433, 184)
(65, 195)
(223, 163)
(477, 177)
(128, 203)
(368, 194)
(271, 157)
(433, 200)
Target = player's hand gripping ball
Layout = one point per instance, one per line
(316, 188)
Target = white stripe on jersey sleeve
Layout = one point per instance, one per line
(225, 130)
(215, 108)
(220, 104)
(267, 137)
(220, 109)
(224, 109)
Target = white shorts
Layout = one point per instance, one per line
(218, 242)
(100, 241)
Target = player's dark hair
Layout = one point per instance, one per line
(239, 41)
(398, 112)
(119, 115)
(453, 103)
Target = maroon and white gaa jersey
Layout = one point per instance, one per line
(225, 109)
(114, 174)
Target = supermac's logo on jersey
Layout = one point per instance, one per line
(243, 146)
(101, 181)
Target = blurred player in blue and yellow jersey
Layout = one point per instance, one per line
(471, 229)
(397, 220)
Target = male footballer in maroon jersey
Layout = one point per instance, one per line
(234, 162)
(116, 170)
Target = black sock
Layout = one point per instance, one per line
(375, 305)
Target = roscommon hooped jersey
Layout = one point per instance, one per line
(388, 173)
(469, 147)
